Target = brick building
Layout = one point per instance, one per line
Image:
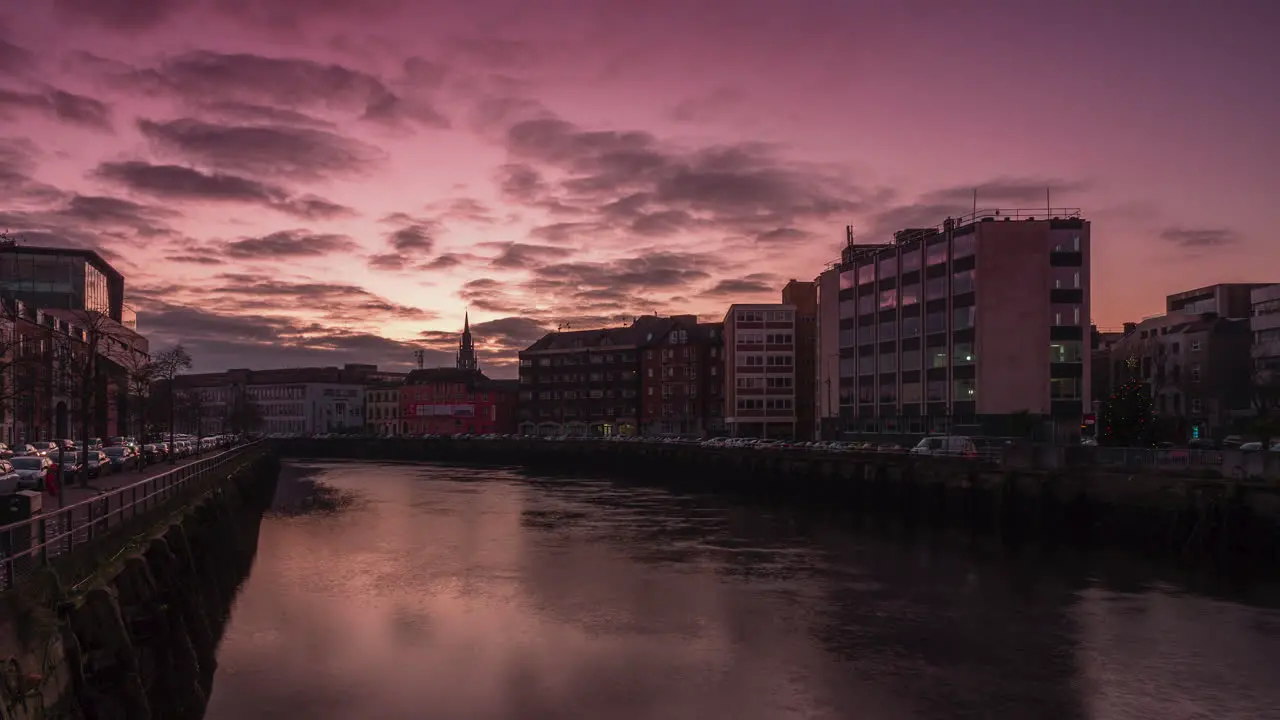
(760, 371)
(585, 382)
(58, 305)
(804, 297)
(682, 377)
(449, 401)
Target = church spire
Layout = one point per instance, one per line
(466, 350)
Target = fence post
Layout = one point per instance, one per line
(42, 535)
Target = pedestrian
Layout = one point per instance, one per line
(52, 484)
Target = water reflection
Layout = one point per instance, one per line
(454, 593)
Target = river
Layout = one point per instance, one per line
(465, 594)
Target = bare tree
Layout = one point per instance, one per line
(166, 367)
(192, 408)
(139, 373)
(86, 346)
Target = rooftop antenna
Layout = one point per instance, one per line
(975, 203)
(1048, 206)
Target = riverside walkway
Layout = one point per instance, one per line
(86, 514)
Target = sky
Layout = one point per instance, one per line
(315, 182)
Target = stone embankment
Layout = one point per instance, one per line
(1214, 519)
(138, 639)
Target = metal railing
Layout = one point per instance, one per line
(28, 545)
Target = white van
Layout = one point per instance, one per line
(951, 445)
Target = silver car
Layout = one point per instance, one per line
(31, 471)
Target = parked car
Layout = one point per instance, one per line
(44, 447)
(151, 453)
(99, 463)
(70, 464)
(5, 452)
(121, 458)
(952, 445)
(31, 471)
(8, 478)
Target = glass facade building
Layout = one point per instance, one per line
(63, 279)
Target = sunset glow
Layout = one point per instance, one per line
(297, 182)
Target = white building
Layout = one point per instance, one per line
(760, 370)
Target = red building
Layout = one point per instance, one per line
(682, 377)
(447, 401)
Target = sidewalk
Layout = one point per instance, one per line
(72, 493)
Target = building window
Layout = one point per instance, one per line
(935, 254)
(888, 267)
(866, 334)
(848, 308)
(847, 280)
(962, 282)
(936, 391)
(866, 274)
(866, 394)
(1195, 373)
(909, 295)
(910, 327)
(935, 288)
(935, 322)
(888, 299)
(888, 330)
(866, 304)
(888, 362)
(1066, 243)
(963, 318)
(888, 392)
(964, 390)
(937, 357)
(867, 365)
(963, 246)
(1065, 278)
(1195, 346)
(910, 359)
(963, 354)
(910, 393)
(1066, 315)
(1064, 389)
(1196, 406)
(910, 261)
(848, 337)
(1066, 351)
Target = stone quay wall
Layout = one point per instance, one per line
(138, 640)
(1211, 519)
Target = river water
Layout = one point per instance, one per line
(463, 593)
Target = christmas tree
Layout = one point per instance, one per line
(1128, 417)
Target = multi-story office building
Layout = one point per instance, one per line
(760, 371)
(1197, 366)
(826, 405)
(299, 401)
(1264, 323)
(584, 382)
(682, 377)
(58, 303)
(63, 279)
(966, 326)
